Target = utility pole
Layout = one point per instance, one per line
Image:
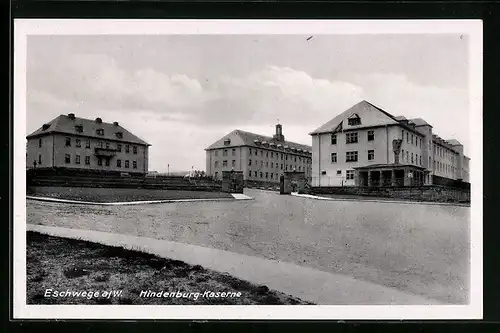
(168, 169)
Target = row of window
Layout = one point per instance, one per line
(411, 158)
(409, 139)
(98, 131)
(101, 144)
(266, 175)
(272, 155)
(67, 160)
(233, 164)
(443, 167)
(442, 152)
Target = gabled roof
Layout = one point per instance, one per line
(66, 125)
(248, 140)
(331, 125)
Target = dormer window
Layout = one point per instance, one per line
(99, 131)
(354, 120)
(119, 135)
(79, 128)
(227, 142)
(45, 127)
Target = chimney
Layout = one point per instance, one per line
(115, 123)
(98, 120)
(71, 116)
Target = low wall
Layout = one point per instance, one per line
(263, 185)
(433, 193)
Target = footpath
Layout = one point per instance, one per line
(306, 283)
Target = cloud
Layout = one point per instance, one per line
(96, 81)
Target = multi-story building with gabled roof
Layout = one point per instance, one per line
(261, 158)
(368, 146)
(78, 143)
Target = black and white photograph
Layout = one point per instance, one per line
(303, 169)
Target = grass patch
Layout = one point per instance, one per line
(120, 194)
(64, 264)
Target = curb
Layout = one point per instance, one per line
(303, 282)
(49, 199)
(315, 197)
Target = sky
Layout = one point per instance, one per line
(181, 93)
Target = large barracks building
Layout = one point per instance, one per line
(77, 143)
(261, 158)
(367, 146)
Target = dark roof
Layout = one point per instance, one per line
(387, 166)
(453, 142)
(66, 125)
(248, 140)
(419, 122)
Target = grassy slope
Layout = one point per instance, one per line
(120, 194)
(76, 265)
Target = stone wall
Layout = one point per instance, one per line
(434, 193)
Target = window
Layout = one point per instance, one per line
(255, 174)
(339, 172)
(402, 134)
(295, 159)
(286, 157)
(68, 142)
(126, 164)
(351, 156)
(249, 162)
(272, 174)
(334, 139)
(411, 158)
(286, 167)
(429, 162)
(224, 152)
(134, 164)
(77, 159)
(420, 143)
(272, 155)
(261, 153)
(107, 145)
(79, 128)
(250, 173)
(216, 153)
(354, 120)
(106, 162)
(371, 135)
(407, 156)
(233, 163)
(371, 155)
(334, 157)
(134, 149)
(352, 137)
(87, 160)
(416, 158)
(40, 159)
(281, 156)
(78, 143)
(250, 151)
(87, 144)
(224, 163)
(412, 139)
(99, 161)
(349, 174)
(99, 131)
(261, 164)
(407, 137)
(227, 142)
(276, 165)
(233, 152)
(267, 164)
(402, 155)
(323, 172)
(119, 147)
(216, 176)
(119, 135)
(127, 149)
(281, 166)
(40, 143)
(118, 163)
(67, 158)
(256, 152)
(420, 160)
(267, 174)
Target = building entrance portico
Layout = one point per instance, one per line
(390, 175)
